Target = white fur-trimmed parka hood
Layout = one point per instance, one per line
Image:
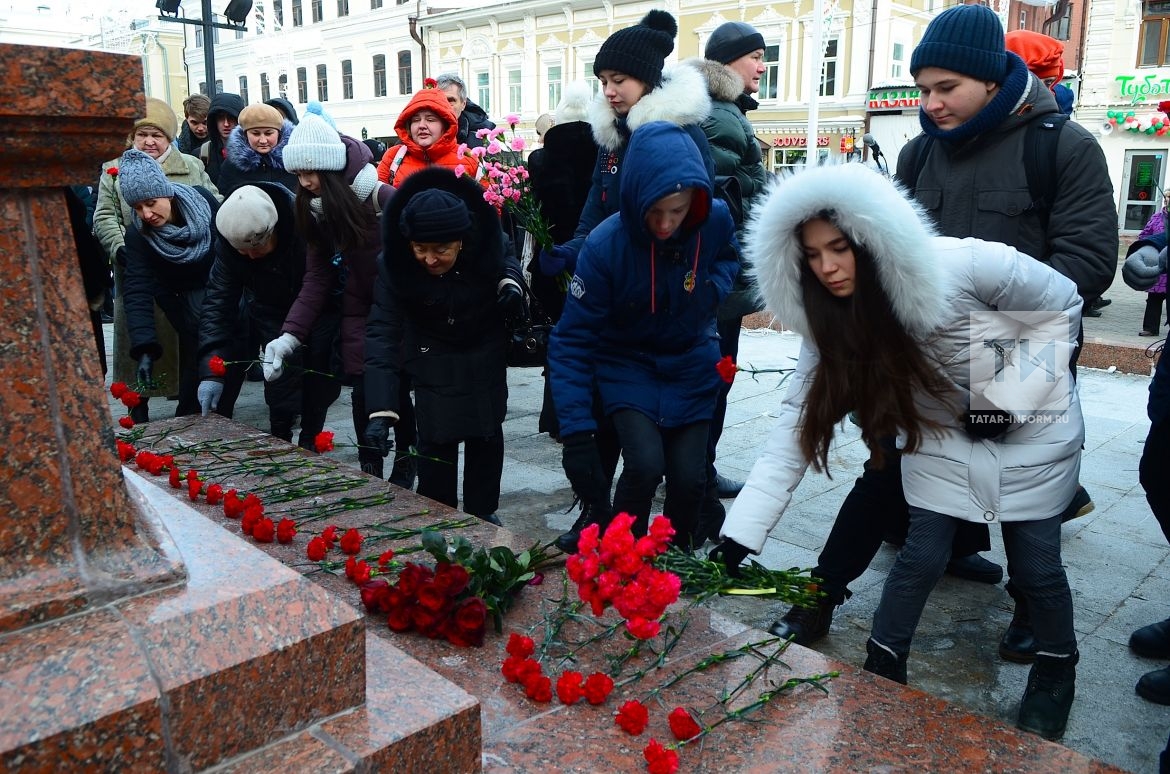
(680, 99)
(870, 210)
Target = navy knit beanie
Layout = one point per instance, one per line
(434, 215)
(639, 51)
(731, 40)
(966, 39)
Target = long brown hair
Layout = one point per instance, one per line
(868, 364)
(345, 221)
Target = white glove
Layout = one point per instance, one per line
(275, 353)
(209, 393)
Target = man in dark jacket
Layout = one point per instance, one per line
(260, 261)
(978, 100)
(222, 118)
(194, 131)
(471, 116)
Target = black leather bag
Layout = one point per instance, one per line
(529, 345)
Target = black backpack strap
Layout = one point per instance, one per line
(921, 146)
(1040, 141)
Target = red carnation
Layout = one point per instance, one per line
(385, 558)
(176, 478)
(682, 725)
(233, 507)
(323, 442)
(520, 646)
(217, 366)
(112, 171)
(642, 628)
(316, 549)
(539, 689)
(570, 687)
(194, 485)
(451, 579)
(726, 368)
(285, 530)
(125, 451)
(511, 668)
(214, 494)
(330, 535)
(249, 520)
(351, 541)
(130, 399)
(633, 717)
(126, 422)
(598, 687)
(660, 760)
(118, 389)
(376, 595)
(264, 530)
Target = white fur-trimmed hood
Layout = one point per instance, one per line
(681, 99)
(870, 210)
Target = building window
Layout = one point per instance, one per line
(1059, 23)
(514, 91)
(483, 92)
(405, 82)
(1154, 42)
(342, 8)
(302, 85)
(401, 2)
(318, 13)
(898, 61)
(829, 70)
(298, 15)
(218, 86)
(322, 83)
(240, 34)
(771, 78)
(346, 79)
(375, 4)
(198, 37)
(379, 75)
(265, 88)
(278, 12)
(203, 87)
(591, 79)
(554, 86)
(244, 88)
(282, 85)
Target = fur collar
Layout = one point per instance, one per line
(723, 84)
(240, 153)
(870, 210)
(681, 99)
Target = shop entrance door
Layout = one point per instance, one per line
(1141, 186)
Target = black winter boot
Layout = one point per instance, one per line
(567, 542)
(1018, 643)
(884, 662)
(805, 625)
(1049, 695)
(373, 468)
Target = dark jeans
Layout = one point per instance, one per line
(1152, 470)
(728, 345)
(1033, 551)
(876, 507)
(483, 464)
(650, 452)
(1152, 319)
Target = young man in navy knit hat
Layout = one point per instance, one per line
(967, 168)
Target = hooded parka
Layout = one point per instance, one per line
(937, 286)
(245, 166)
(402, 160)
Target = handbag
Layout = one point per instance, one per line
(528, 347)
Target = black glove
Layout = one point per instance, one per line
(378, 435)
(987, 424)
(510, 301)
(582, 463)
(145, 373)
(730, 554)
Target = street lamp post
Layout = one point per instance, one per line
(236, 10)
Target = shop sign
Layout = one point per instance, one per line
(1144, 86)
(892, 99)
(798, 141)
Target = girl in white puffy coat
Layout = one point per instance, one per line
(960, 348)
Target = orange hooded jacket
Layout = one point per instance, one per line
(444, 151)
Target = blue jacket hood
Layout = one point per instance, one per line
(662, 159)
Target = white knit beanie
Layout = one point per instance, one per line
(247, 218)
(314, 146)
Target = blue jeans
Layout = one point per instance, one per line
(1033, 553)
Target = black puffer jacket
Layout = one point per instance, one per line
(471, 120)
(445, 331)
(213, 151)
(272, 281)
(176, 287)
(245, 166)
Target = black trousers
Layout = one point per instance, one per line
(483, 464)
(1152, 473)
(650, 452)
(728, 345)
(1152, 319)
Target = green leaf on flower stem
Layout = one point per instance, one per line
(435, 545)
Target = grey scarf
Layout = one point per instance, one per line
(186, 243)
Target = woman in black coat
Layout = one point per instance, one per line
(446, 288)
(260, 265)
(169, 252)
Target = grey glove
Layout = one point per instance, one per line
(1143, 267)
(275, 353)
(209, 393)
(145, 374)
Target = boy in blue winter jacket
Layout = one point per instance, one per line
(639, 330)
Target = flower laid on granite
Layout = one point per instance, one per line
(508, 185)
(702, 578)
(727, 369)
(323, 442)
(129, 398)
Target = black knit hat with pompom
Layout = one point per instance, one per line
(639, 51)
